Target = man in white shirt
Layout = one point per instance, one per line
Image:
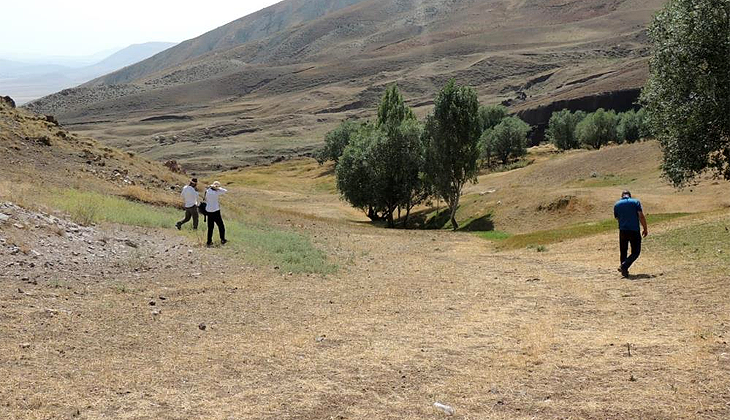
(190, 198)
(213, 209)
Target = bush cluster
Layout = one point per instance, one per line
(571, 130)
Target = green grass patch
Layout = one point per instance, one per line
(609, 180)
(256, 243)
(707, 243)
(580, 230)
(86, 207)
(493, 235)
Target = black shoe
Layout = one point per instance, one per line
(624, 272)
(209, 245)
(223, 241)
(177, 225)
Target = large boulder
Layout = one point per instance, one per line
(8, 100)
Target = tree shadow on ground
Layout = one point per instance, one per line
(328, 172)
(481, 224)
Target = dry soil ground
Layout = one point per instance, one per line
(409, 319)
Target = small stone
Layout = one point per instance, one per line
(202, 326)
(153, 303)
(156, 312)
(24, 345)
(19, 226)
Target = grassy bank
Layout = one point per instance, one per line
(545, 237)
(256, 243)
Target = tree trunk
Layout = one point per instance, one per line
(372, 214)
(453, 206)
(408, 213)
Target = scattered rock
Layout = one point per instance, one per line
(24, 345)
(202, 326)
(153, 303)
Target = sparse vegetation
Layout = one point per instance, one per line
(289, 250)
(687, 96)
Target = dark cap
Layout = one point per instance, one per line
(194, 180)
(626, 194)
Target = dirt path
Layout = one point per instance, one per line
(411, 318)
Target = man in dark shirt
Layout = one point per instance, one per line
(629, 213)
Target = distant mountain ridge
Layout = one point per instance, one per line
(253, 27)
(28, 81)
(270, 83)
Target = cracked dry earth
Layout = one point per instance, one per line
(411, 318)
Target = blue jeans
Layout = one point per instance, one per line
(627, 237)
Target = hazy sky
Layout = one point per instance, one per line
(85, 27)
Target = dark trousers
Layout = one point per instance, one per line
(190, 212)
(215, 218)
(627, 237)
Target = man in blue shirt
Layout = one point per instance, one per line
(629, 213)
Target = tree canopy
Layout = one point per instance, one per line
(687, 96)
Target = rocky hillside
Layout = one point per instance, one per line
(38, 153)
(251, 91)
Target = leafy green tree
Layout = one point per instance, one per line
(508, 139)
(355, 172)
(452, 144)
(687, 96)
(398, 162)
(630, 127)
(486, 147)
(393, 110)
(561, 129)
(491, 115)
(335, 142)
(597, 128)
(380, 170)
(645, 127)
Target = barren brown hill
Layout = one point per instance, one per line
(248, 92)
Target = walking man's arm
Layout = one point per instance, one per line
(642, 219)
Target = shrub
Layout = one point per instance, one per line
(508, 139)
(629, 128)
(597, 128)
(491, 115)
(561, 129)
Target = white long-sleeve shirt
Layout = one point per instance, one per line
(211, 198)
(190, 196)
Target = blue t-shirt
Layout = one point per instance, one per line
(626, 210)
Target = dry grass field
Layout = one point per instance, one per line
(172, 330)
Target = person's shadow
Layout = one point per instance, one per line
(641, 276)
